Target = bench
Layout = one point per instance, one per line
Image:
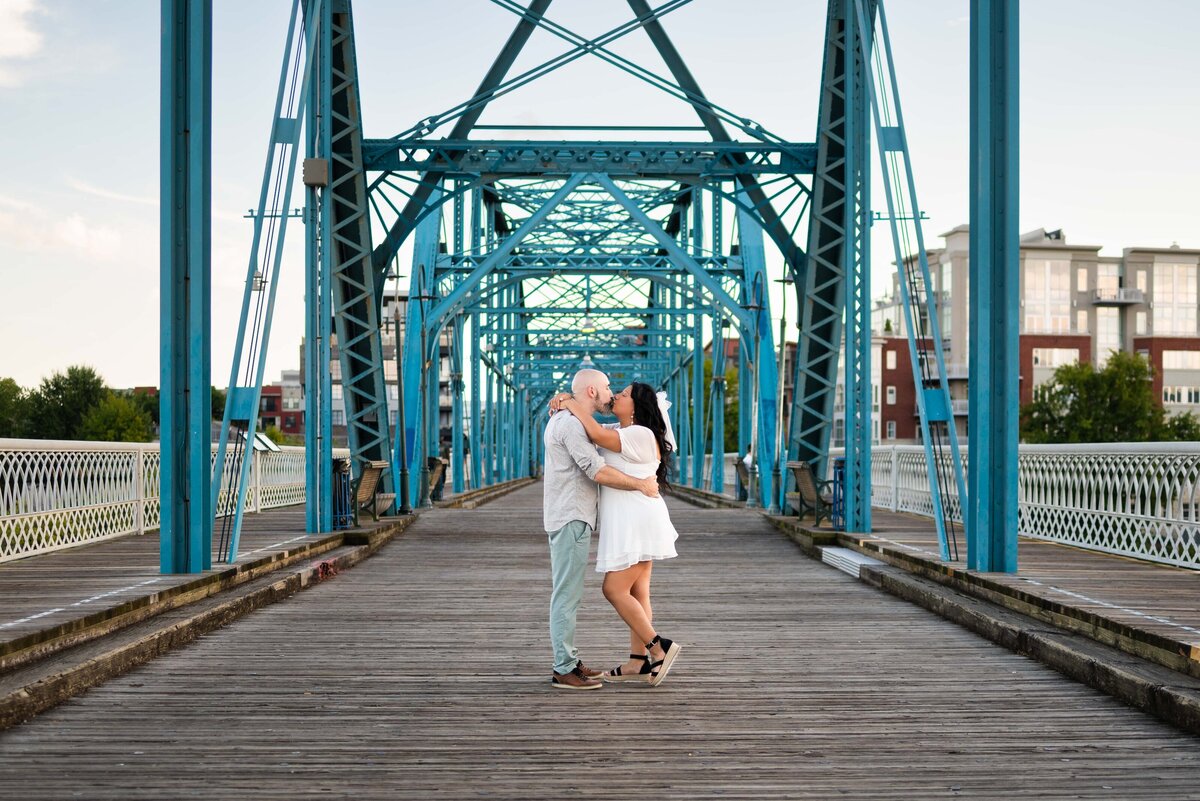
(366, 490)
(436, 471)
(812, 494)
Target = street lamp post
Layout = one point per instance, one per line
(752, 499)
(777, 488)
(398, 321)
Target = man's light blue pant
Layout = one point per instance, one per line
(569, 548)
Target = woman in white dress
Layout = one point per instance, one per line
(635, 530)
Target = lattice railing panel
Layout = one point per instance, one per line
(58, 494)
(1139, 500)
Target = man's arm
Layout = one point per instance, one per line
(610, 476)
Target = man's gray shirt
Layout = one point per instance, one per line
(572, 462)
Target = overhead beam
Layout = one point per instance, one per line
(495, 74)
(772, 224)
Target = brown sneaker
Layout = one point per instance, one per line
(575, 680)
(588, 673)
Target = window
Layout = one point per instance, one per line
(336, 392)
(891, 360)
(1081, 279)
(1140, 323)
(1054, 357)
(839, 429)
(1174, 299)
(1181, 359)
(891, 396)
(1081, 322)
(1172, 394)
(891, 429)
(1193, 394)
(1047, 294)
(1141, 281)
(1108, 333)
(338, 417)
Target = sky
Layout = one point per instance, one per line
(1110, 113)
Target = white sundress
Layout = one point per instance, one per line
(633, 527)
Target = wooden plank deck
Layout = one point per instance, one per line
(423, 673)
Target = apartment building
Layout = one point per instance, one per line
(1076, 305)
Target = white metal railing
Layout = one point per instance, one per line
(1123, 294)
(1133, 499)
(56, 494)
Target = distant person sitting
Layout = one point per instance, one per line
(748, 461)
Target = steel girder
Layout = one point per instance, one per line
(838, 235)
(348, 251)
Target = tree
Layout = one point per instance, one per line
(116, 419)
(56, 409)
(218, 403)
(1083, 404)
(13, 403)
(1181, 428)
(731, 404)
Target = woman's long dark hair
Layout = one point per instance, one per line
(646, 413)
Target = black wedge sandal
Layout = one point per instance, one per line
(658, 670)
(642, 675)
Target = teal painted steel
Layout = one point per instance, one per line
(185, 237)
(920, 303)
(356, 297)
(994, 284)
(270, 219)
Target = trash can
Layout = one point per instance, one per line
(837, 511)
(343, 508)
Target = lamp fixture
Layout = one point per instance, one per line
(587, 362)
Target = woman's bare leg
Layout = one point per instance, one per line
(618, 589)
(640, 590)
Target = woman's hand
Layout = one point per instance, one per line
(556, 403)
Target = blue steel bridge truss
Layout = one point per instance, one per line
(534, 257)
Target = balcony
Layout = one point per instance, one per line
(958, 406)
(953, 371)
(1125, 296)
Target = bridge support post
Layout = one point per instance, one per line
(185, 400)
(994, 264)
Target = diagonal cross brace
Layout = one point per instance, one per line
(458, 297)
(678, 255)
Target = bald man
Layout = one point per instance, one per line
(573, 469)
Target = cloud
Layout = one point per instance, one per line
(32, 229)
(86, 188)
(18, 38)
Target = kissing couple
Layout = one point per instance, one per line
(614, 473)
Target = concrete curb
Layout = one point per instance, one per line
(1157, 690)
(51, 690)
(478, 497)
(39, 644)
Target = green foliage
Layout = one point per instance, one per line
(731, 404)
(218, 403)
(275, 435)
(148, 403)
(13, 403)
(117, 418)
(1116, 404)
(55, 410)
(1182, 428)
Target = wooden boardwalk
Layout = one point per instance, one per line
(423, 673)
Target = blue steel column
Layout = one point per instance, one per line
(456, 394)
(185, 401)
(993, 271)
(318, 323)
(697, 401)
(859, 424)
